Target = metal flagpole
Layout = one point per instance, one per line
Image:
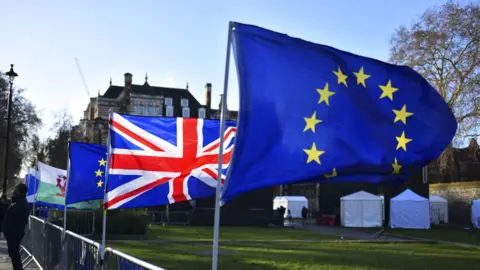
(65, 208)
(35, 184)
(425, 174)
(107, 172)
(66, 192)
(216, 226)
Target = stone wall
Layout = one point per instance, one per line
(459, 196)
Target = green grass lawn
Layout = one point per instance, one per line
(289, 255)
(297, 255)
(441, 233)
(237, 233)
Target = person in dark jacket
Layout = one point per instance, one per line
(304, 216)
(14, 224)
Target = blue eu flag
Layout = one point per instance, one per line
(86, 176)
(310, 112)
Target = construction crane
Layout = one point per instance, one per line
(81, 75)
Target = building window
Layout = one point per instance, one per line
(202, 113)
(186, 112)
(169, 112)
(152, 110)
(184, 102)
(169, 101)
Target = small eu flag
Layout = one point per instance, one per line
(86, 176)
(310, 112)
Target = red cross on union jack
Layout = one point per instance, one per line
(160, 162)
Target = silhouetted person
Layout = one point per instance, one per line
(14, 224)
(304, 216)
(281, 213)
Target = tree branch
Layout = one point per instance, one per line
(468, 115)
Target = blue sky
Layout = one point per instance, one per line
(173, 41)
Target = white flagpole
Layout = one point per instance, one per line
(425, 174)
(35, 175)
(66, 192)
(64, 234)
(107, 171)
(216, 226)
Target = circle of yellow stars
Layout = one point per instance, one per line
(99, 173)
(314, 154)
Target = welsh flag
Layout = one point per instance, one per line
(52, 186)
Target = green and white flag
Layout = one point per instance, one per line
(52, 187)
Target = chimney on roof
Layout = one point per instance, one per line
(126, 92)
(128, 79)
(208, 98)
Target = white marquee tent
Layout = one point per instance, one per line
(361, 209)
(476, 213)
(409, 210)
(438, 209)
(292, 203)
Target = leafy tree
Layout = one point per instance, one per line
(39, 150)
(444, 47)
(56, 147)
(24, 125)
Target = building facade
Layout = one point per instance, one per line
(143, 99)
(252, 208)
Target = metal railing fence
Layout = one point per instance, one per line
(116, 260)
(49, 247)
(79, 221)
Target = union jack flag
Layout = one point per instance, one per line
(156, 160)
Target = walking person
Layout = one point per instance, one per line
(304, 216)
(14, 224)
(289, 216)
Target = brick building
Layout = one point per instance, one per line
(143, 99)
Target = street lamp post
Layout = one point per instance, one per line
(11, 76)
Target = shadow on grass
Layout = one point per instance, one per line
(254, 256)
(442, 234)
(227, 233)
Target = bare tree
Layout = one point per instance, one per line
(24, 125)
(444, 47)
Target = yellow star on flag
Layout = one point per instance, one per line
(313, 154)
(396, 167)
(98, 173)
(102, 162)
(334, 174)
(100, 183)
(402, 115)
(341, 78)
(361, 77)
(388, 90)
(311, 122)
(325, 94)
(402, 141)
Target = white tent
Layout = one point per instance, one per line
(438, 209)
(476, 213)
(361, 209)
(292, 203)
(409, 210)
